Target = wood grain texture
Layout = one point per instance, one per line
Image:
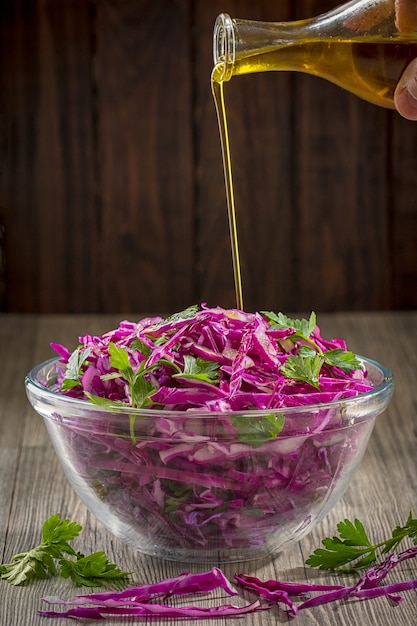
(33, 486)
(403, 184)
(341, 205)
(145, 154)
(47, 157)
(111, 184)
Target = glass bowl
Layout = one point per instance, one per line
(184, 486)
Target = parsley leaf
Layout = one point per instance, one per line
(57, 532)
(39, 562)
(354, 546)
(73, 369)
(303, 368)
(399, 532)
(28, 566)
(141, 390)
(177, 495)
(343, 359)
(140, 346)
(307, 368)
(119, 359)
(199, 369)
(256, 430)
(304, 328)
(101, 401)
(187, 313)
(90, 570)
(139, 387)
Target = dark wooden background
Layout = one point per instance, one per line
(112, 195)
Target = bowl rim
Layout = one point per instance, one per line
(33, 385)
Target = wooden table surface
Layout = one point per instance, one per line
(33, 486)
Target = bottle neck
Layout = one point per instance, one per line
(236, 39)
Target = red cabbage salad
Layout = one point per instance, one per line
(213, 359)
(183, 469)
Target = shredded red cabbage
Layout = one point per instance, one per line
(213, 359)
(140, 601)
(157, 610)
(183, 584)
(368, 586)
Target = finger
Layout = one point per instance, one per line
(406, 15)
(405, 97)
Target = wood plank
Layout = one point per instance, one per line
(403, 185)
(3, 287)
(341, 251)
(145, 153)
(48, 191)
(17, 343)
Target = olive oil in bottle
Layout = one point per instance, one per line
(370, 68)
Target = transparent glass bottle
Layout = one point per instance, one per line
(362, 46)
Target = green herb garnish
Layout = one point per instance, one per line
(199, 369)
(343, 359)
(303, 328)
(91, 571)
(354, 546)
(306, 365)
(139, 387)
(73, 370)
(40, 562)
(303, 368)
(256, 430)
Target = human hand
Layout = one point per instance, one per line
(405, 97)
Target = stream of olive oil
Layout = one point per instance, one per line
(218, 93)
(369, 67)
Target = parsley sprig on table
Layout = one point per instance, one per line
(92, 570)
(354, 546)
(41, 562)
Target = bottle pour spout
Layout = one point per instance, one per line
(224, 46)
